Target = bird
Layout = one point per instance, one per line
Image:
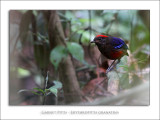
(112, 48)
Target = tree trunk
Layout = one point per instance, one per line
(67, 75)
(145, 16)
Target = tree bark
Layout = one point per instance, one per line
(145, 16)
(67, 75)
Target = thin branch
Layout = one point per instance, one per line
(46, 81)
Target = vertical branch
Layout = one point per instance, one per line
(131, 32)
(90, 32)
(111, 23)
(34, 28)
(90, 27)
(70, 26)
(145, 16)
(46, 81)
(67, 75)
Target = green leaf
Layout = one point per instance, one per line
(38, 89)
(53, 90)
(57, 84)
(23, 72)
(57, 54)
(46, 90)
(76, 51)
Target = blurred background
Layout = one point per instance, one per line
(52, 61)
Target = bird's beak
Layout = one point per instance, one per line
(92, 41)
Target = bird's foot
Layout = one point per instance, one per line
(112, 66)
(107, 71)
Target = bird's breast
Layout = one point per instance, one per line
(110, 52)
(116, 54)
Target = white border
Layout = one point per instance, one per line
(33, 112)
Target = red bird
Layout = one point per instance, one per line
(112, 48)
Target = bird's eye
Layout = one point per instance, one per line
(100, 38)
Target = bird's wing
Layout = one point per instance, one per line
(118, 43)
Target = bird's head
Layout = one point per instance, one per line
(100, 39)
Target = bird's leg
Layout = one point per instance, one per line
(112, 65)
(109, 68)
(115, 64)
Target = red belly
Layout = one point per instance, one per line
(116, 54)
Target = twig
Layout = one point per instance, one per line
(109, 68)
(90, 33)
(44, 97)
(111, 23)
(98, 85)
(85, 68)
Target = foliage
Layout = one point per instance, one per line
(44, 92)
(61, 52)
(57, 54)
(23, 72)
(76, 51)
(54, 89)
